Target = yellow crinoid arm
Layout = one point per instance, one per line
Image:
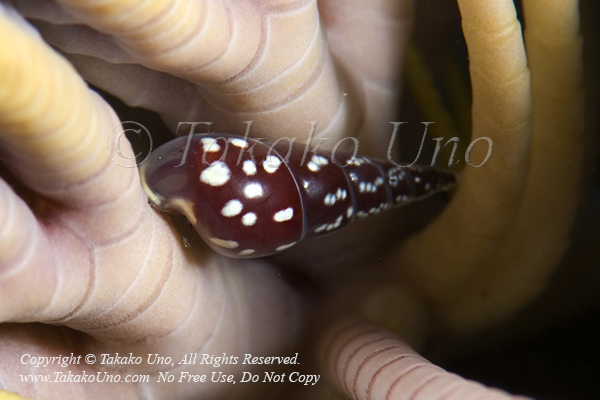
(55, 137)
(474, 227)
(45, 134)
(10, 396)
(541, 235)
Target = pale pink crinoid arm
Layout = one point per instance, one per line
(88, 252)
(228, 62)
(369, 362)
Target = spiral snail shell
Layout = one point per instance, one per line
(247, 198)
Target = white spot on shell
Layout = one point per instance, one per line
(336, 224)
(357, 161)
(237, 142)
(417, 179)
(320, 228)
(316, 162)
(249, 219)
(319, 160)
(249, 167)
(216, 174)
(305, 184)
(210, 145)
(313, 166)
(232, 208)
(361, 187)
(228, 244)
(285, 246)
(253, 190)
(246, 252)
(349, 212)
(341, 194)
(271, 164)
(284, 215)
(329, 199)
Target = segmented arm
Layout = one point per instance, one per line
(540, 238)
(474, 227)
(237, 54)
(367, 362)
(86, 250)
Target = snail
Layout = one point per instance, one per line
(247, 198)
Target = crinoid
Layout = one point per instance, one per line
(90, 272)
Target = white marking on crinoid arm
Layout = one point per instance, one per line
(242, 143)
(247, 252)
(253, 190)
(210, 145)
(284, 215)
(285, 246)
(249, 167)
(271, 164)
(232, 208)
(249, 219)
(228, 244)
(216, 174)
